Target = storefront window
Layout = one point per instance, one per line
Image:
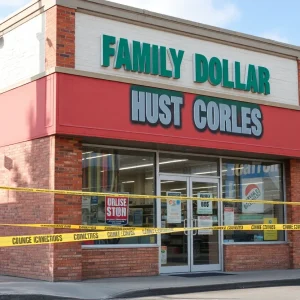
(192, 165)
(252, 181)
(121, 172)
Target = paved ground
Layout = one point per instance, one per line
(116, 288)
(275, 293)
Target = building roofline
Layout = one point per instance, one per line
(155, 20)
(17, 12)
(25, 13)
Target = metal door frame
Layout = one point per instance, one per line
(190, 267)
(209, 267)
(173, 269)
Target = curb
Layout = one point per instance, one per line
(206, 288)
(33, 297)
(167, 291)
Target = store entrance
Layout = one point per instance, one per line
(192, 250)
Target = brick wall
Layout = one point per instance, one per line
(67, 209)
(70, 261)
(293, 212)
(27, 164)
(256, 257)
(103, 263)
(32, 164)
(55, 162)
(60, 37)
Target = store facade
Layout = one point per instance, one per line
(139, 171)
(118, 100)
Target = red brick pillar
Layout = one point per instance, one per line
(60, 37)
(60, 52)
(67, 257)
(293, 194)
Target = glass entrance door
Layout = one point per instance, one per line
(191, 250)
(205, 244)
(175, 247)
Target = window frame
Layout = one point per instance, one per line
(283, 186)
(154, 245)
(156, 175)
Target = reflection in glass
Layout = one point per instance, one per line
(174, 214)
(193, 165)
(123, 172)
(252, 181)
(205, 214)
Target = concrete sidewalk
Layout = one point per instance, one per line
(120, 288)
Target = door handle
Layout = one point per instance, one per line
(184, 225)
(195, 222)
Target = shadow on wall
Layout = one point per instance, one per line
(1, 42)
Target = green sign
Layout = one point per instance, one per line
(145, 58)
(217, 72)
(140, 57)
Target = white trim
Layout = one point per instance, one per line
(179, 26)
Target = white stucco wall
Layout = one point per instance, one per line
(22, 52)
(89, 29)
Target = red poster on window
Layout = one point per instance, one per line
(116, 210)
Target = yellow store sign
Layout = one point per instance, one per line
(270, 235)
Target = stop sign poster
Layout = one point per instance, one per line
(116, 210)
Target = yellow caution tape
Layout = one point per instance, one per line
(177, 229)
(26, 240)
(136, 196)
(84, 227)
